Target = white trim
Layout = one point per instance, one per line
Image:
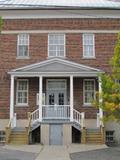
(83, 40)
(22, 104)
(100, 101)
(59, 14)
(71, 98)
(12, 97)
(64, 44)
(88, 104)
(58, 31)
(55, 74)
(40, 97)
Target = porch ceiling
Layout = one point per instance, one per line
(54, 67)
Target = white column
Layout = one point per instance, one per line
(12, 97)
(71, 98)
(40, 98)
(100, 100)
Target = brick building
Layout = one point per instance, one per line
(51, 55)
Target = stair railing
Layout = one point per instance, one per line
(82, 119)
(8, 131)
(14, 120)
(99, 120)
(35, 115)
(28, 127)
(79, 117)
(102, 130)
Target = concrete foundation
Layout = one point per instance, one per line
(44, 134)
(3, 124)
(67, 134)
(114, 126)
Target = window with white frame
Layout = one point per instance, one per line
(88, 45)
(23, 46)
(22, 92)
(56, 45)
(89, 91)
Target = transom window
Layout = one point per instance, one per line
(89, 91)
(56, 85)
(88, 46)
(23, 46)
(22, 92)
(56, 45)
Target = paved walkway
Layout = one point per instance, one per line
(54, 153)
(8, 154)
(39, 152)
(112, 153)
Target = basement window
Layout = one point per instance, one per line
(109, 136)
(2, 136)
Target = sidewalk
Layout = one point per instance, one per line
(54, 152)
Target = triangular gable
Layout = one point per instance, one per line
(56, 65)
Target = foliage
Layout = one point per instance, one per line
(111, 88)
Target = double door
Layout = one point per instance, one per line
(56, 99)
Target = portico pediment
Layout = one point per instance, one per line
(55, 66)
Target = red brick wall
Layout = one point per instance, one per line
(104, 47)
(57, 24)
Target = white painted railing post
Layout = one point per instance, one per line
(98, 120)
(40, 98)
(82, 119)
(71, 98)
(100, 102)
(12, 99)
(14, 120)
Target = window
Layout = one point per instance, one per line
(2, 136)
(22, 92)
(89, 91)
(109, 136)
(23, 46)
(56, 45)
(88, 46)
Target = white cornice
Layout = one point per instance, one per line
(57, 31)
(48, 14)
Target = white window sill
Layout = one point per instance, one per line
(22, 105)
(88, 57)
(50, 57)
(23, 57)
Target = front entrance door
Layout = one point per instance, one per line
(56, 92)
(56, 134)
(56, 98)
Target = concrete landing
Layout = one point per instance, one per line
(54, 153)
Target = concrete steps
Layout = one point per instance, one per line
(94, 136)
(18, 136)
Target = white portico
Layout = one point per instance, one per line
(56, 71)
